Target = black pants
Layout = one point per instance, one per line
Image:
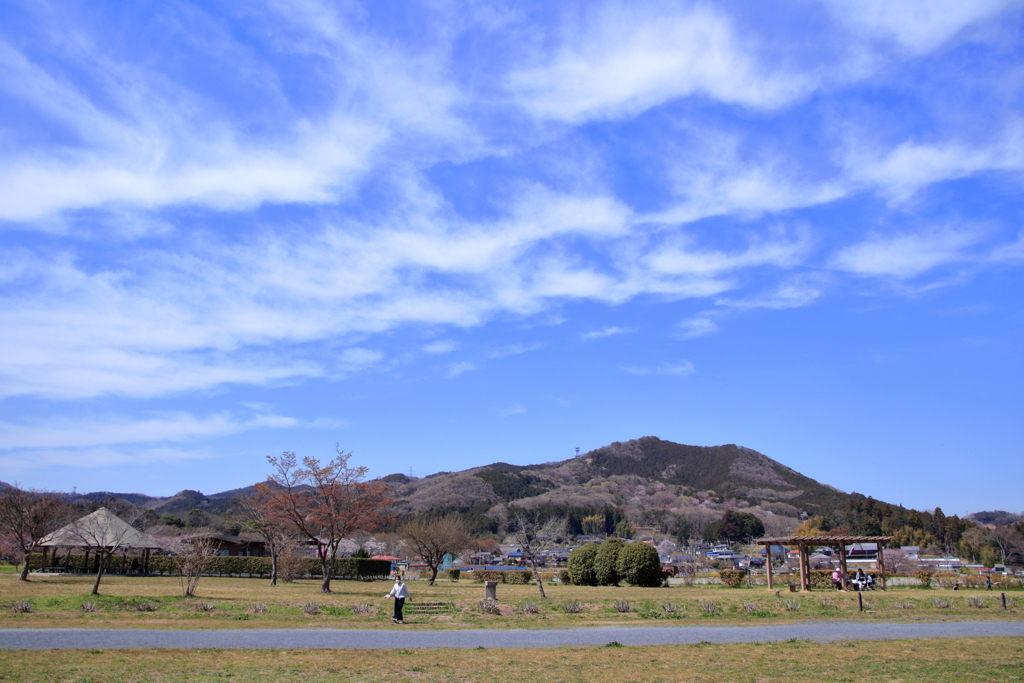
(399, 603)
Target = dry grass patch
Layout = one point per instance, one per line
(56, 601)
(922, 661)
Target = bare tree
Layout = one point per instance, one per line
(898, 561)
(434, 539)
(261, 513)
(27, 517)
(326, 503)
(533, 536)
(192, 557)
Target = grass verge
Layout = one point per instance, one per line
(156, 602)
(922, 661)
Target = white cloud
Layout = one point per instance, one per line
(625, 58)
(440, 347)
(905, 255)
(902, 171)
(178, 426)
(511, 410)
(31, 461)
(680, 369)
(609, 331)
(794, 292)
(917, 25)
(456, 369)
(697, 326)
(1012, 252)
(515, 349)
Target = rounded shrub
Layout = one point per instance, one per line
(733, 578)
(606, 564)
(581, 568)
(639, 565)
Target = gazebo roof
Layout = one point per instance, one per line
(100, 529)
(822, 540)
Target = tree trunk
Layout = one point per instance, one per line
(540, 581)
(273, 568)
(99, 574)
(433, 575)
(326, 567)
(24, 570)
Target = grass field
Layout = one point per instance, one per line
(967, 660)
(56, 601)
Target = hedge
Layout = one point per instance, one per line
(514, 576)
(344, 567)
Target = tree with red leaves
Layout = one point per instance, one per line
(327, 502)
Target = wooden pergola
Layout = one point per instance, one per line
(804, 543)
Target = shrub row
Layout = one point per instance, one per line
(344, 567)
(514, 576)
(614, 561)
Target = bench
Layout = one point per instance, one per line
(51, 570)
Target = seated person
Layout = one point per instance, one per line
(837, 579)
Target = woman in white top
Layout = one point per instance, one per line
(400, 592)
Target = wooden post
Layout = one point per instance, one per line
(860, 601)
(842, 563)
(1003, 597)
(881, 563)
(805, 569)
(768, 563)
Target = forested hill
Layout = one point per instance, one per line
(648, 480)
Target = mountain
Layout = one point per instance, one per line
(649, 481)
(646, 479)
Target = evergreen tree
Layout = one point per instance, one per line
(606, 564)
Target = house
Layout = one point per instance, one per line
(234, 546)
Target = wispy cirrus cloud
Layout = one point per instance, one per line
(622, 59)
(440, 347)
(177, 426)
(905, 255)
(794, 292)
(514, 349)
(610, 331)
(698, 326)
(456, 369)
(680, 369)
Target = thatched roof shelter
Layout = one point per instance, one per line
(100, 529)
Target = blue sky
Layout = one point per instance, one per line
(453, 233)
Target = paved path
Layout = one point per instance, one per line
(352, 639)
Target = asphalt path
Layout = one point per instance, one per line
(390, 639)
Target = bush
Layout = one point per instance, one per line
(639, 565)
(453, 574)
(514, 576)
(733, 578)
(606, 563)
(925, 577)
(518, 577)
(563, 577)
(580, 569)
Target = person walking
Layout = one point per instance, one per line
(399, 592)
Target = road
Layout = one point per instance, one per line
(356, 639)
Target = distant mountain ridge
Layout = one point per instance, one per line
(645, 478)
